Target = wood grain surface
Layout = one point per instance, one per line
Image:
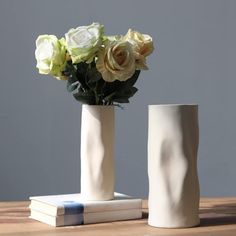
(218, 218)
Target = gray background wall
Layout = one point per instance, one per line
(194, 62)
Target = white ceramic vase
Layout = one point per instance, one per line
(97, 142)
(173, 137)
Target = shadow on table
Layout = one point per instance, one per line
(220, 214)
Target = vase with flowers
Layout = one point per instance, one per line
(100, 71)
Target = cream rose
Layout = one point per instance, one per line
(83, 42)
(116, 61)
(142, 45)
(50, 55)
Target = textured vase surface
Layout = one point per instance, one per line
(173, 137)
(97, 144)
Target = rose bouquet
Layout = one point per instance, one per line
(99, 69)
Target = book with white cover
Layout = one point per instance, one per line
(86, 218)
(69, 204)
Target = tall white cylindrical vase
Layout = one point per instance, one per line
(97, 142)
(173, 137)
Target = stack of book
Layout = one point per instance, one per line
(71, 209)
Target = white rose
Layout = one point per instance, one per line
(83, 42)
(142, 45)
(116, 61)
(50, 55)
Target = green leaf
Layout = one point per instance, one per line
(133, 90)
(72, 79)
(126, 93)
(86, 97)
(72, 83)
(81, 72)
(111, 87)
(72, 87)
(93, 75)
(121, 100)
(118, 86)
(109, 97)
(132, 80)
(123, 96)
(82, 67)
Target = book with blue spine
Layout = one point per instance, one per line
(72, 209)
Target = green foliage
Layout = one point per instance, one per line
(88, 86)
(86, 97)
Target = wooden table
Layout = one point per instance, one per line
(218, 217)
